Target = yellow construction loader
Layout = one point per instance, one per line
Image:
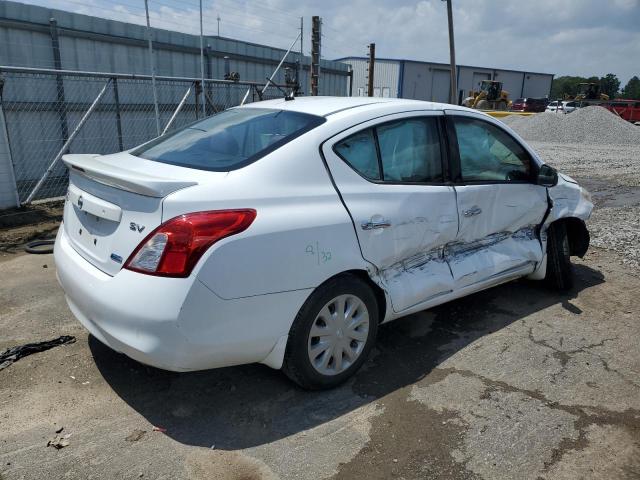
(491, 96)
(588, 94)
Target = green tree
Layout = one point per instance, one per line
(632, 88)
(610, 84)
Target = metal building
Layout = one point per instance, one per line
(40, 110)
(27, 35)
(430, 81)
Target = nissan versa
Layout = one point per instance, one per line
(286, 232)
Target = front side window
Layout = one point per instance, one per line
(230, 139)
(402, 151)
(487, 153)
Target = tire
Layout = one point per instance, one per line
(320, 311)
(559, 274)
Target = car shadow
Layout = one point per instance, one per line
(251, 405)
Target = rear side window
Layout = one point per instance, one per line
(403, 151)
(410, 151)
(359, 151)
(229, 140)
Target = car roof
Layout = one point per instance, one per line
(325, 106)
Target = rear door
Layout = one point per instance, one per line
(499, 205)
(389, 173)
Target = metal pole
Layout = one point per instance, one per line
(178, 108)
(372, 64)
(350, 81)
(280, 64)
(116, 98)
(57, 62)
(153, 68)
(204, 113)
(300, 67)
(274, 72)
(452, 54)
(4, 131)
(64, 148)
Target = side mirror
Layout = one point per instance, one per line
(547, 176)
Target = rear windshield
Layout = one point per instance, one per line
(229, 140)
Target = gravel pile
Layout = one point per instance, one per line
(592, 125)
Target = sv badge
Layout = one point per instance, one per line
(136, 227)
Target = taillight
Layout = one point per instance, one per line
(174, 248)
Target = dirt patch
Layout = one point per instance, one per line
(21, 225)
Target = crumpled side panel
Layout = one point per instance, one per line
(427, 275)
(417, 278)
(498, 253)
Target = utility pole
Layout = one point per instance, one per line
(315, 54)
(452, 54)
(372, 63)
(204, 114)
(299, 66)
(152, 63)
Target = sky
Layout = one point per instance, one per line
(564, 37)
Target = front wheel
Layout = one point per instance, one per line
(559, 269)
(332, 334)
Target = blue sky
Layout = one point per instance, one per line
(565, 37)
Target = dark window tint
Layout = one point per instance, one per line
(410, 150)
(359, 151)
(487, 153)
(229, 140)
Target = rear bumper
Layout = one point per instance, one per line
(176, 324)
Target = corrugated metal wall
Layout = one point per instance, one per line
(96, 44)
(430, 81)
(385, 78)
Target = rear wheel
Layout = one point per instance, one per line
(559, 269)
(332, 334)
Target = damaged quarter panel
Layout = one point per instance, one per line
(302, 234)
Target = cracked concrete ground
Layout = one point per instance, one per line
(514, 382)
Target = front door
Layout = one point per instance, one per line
(499, 205)
(390, 175)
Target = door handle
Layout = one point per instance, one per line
(472, 212)
(374, 225)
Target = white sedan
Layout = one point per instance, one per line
(286, 232)
(562, 107)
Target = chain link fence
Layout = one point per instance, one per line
(44, 111)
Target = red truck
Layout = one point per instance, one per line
(529, 105)
(626, 109)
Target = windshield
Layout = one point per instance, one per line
(229, 140)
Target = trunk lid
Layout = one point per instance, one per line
(114, 202)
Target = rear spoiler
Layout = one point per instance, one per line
(108, 173)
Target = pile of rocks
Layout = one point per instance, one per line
(592, 125)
